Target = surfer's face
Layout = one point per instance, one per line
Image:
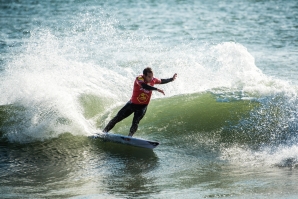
(148, 77)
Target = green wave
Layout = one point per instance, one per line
(185, 115)
(189, 119)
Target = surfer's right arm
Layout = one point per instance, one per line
(140, 81)
(150, 88)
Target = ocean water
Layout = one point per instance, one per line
(227, 126)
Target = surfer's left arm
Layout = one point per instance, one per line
(164, 81)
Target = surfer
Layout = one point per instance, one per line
(142, 90)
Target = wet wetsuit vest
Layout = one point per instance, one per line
(142, 90)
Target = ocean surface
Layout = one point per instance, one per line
(227, 126)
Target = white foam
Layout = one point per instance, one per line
(283, 156)
(47, 85)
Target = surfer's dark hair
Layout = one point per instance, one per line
(147, 70)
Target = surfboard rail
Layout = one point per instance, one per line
(138, 142)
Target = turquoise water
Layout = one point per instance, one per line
(227, 126)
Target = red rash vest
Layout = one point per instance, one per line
(141, 95)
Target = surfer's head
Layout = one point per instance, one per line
(148, 74)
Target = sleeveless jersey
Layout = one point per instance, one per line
(141, 95)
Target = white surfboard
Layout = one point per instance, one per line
(138, 142)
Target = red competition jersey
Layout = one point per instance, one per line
(141, 95)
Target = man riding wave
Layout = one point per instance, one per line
(141, 95)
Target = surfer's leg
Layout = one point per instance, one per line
(126, 111)
(138, 115)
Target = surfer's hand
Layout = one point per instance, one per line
(161, 91)
(174, 76)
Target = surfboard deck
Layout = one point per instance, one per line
(138, 142)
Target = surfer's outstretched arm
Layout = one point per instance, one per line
(164, 81)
